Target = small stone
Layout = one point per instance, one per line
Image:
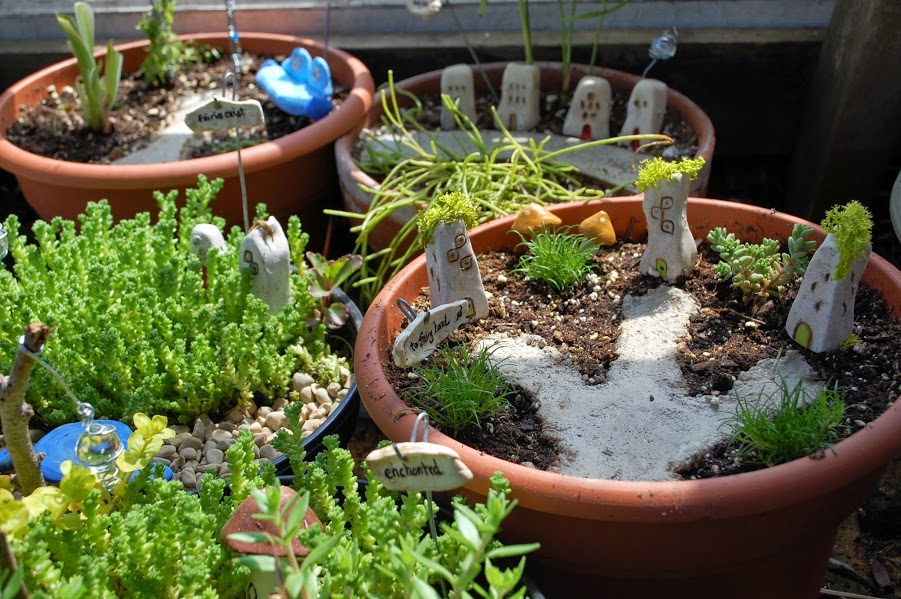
(225, 444)
(259, 439)
(214, 457)
(255, 427)
(311, 425)
(188, 478)
(189, 453)
(306, 395)
(333, 389)
(159, 460)
(235, 415)
(268, 452)
(167, 451)
(263, 412)
(301, 380)
(276, 420)
(319, 413)
(192, 443)
(280, 404)
(223, 470)
(598, 228)
(178, 439)
(306, 410)
(227, 427)
(322, 396)
(199, 429)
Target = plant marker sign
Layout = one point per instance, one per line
(427, 330)
(223, 115)
(418, 466)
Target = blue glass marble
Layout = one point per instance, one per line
(301, 85)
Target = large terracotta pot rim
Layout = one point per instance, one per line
(184, 172)
(773, 488)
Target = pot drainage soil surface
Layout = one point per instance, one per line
(56, 129)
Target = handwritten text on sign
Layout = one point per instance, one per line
(419, 467)
(222, 115)
(428, 329)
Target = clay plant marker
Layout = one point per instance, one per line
(457, 82)
(588, 116)
(671, 249)
(645, 110)
(266, 254)
(220, 114)
(419, 466)
(453, 269)
(520, 86)
(427, 330)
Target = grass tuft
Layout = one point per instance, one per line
(560, 259)
(798, 424)
(458, 388)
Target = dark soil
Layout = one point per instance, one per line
(56, 129)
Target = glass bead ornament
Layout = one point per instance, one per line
(98, 447)
(663, 47)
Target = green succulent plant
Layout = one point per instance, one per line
(852, 226)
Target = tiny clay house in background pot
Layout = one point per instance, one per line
(766, 533)
(352, 177)
(292, 175)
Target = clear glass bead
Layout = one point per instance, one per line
(663, 47)
(98, 446)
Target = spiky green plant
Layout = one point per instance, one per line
(559, 258)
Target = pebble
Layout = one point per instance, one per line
(202, 447)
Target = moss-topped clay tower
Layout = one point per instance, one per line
(453, 270)
(671, 250)
(822, 315)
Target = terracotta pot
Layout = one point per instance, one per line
(767, 533)
(352, 177)
(292, 175)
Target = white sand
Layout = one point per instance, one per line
(640, 422)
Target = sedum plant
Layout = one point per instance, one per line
(144, 327)
(852, 226)
(761, 271)
(374, 542)
(148, 537)
(98, 82)
(795, 425)
(558, 258)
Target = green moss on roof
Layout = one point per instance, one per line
(653, 171)
(852, 226)
(448, 208)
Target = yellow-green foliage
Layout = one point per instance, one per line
(850, 342)
(852, 226)
(448, 208)
(654, 170)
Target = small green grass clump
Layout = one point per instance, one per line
(560, 259)
(852, 226)
(653, 171)
(797, 425)
(459, 388)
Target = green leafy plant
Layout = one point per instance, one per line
(458, 387)
(559, 258)
(852, 226)
(795, 425)
(374, 543)
(761, 271)
(144, 326)
(147, 538)
(448, 208)
(327, 276)
(166, 55)
(98, 82)
(498, 180)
